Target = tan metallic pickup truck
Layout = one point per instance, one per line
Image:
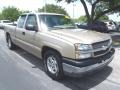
(64, 48)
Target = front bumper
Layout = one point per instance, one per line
(79, 67)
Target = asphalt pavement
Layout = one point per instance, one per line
(20, 70)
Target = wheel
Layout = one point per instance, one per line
(118, 29)
(53, 65)
(10, 44)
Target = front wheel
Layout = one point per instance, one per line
(53, 65)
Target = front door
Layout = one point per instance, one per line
(31, 27)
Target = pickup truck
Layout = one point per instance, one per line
(65, 49)
(4, 22)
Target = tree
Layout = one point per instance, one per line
(83, 19)
(99, 8)
(104, 18)
(1, 16)
(10, 13)
(50, 8)
(26, 11)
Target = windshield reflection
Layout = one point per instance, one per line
(56, 22)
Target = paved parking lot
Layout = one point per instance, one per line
(20, 70)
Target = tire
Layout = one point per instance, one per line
(10, 44)
(53, 65)
(118, 29)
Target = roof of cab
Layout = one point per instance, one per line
(42, 13)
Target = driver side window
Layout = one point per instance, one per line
(31, 20)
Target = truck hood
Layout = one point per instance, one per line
(80, 35)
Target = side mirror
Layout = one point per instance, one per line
(31, 27)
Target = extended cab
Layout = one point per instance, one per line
(64, 48)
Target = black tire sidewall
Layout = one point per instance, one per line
(59, 74)
(12, 45)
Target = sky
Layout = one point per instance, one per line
(74, 10)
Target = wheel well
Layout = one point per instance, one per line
(46, 48)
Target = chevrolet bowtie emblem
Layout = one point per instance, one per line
(104, 47)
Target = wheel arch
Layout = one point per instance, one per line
(46, 48)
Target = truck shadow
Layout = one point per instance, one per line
(88, 81)
(80, 83)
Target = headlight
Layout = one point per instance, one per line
(82, 47)
(79, 55)
(81, 51)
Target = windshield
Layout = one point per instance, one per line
(57, 21)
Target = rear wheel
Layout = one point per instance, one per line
(10, 44)
(119, 29)
(53, 65)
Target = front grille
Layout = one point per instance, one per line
(100, 44)
(101, 52)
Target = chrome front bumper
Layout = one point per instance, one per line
(77, 71)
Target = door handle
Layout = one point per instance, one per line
(23, 33)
